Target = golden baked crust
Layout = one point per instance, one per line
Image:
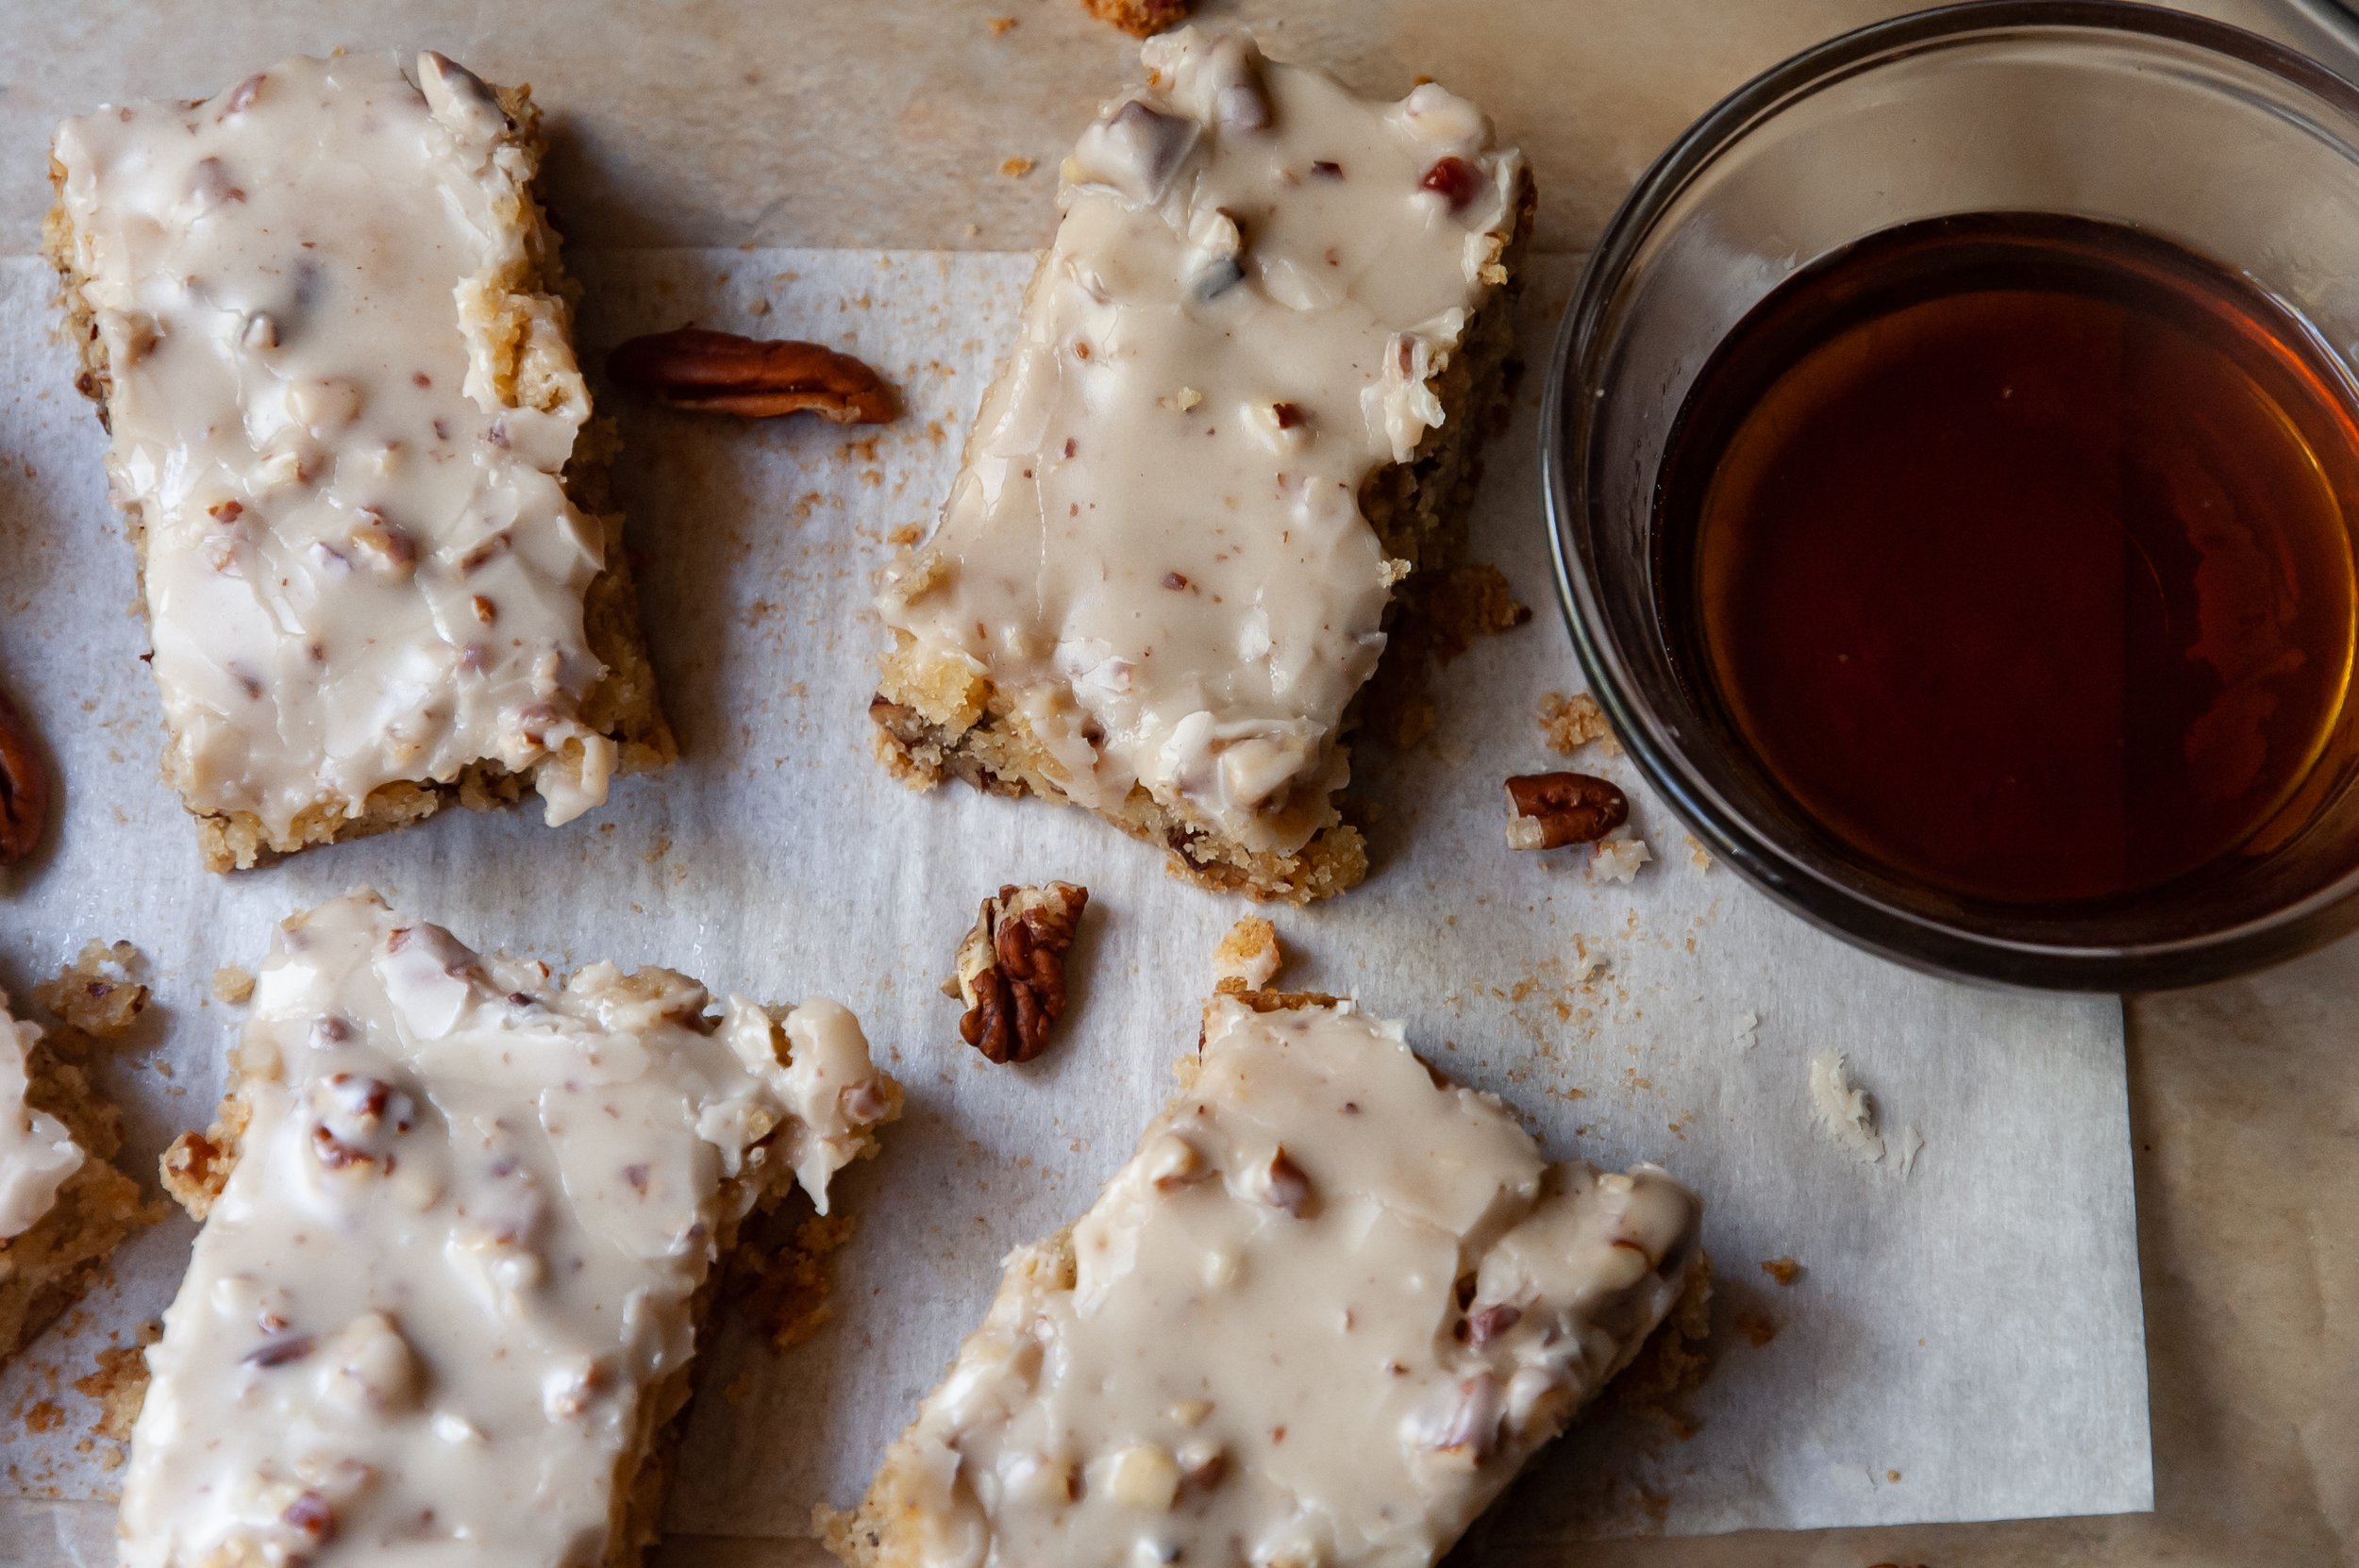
(936, 719)
(623, 704)
(44, 1270)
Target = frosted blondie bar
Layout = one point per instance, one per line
(1322, 1317)
(462, 1225)
(1241, 412)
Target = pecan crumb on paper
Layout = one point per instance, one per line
(95, 994)
(234, 984)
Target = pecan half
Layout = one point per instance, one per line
(752, 377)
(24, 786)
(1557, 808)
(1011, 971)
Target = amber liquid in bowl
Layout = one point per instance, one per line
(2017, 550)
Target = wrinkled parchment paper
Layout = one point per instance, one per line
(1964, 1342)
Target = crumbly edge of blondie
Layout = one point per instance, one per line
(46, 1268)
(197, 1166)
(623, 704)
(937, 719)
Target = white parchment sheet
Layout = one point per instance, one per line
(1964, 1343)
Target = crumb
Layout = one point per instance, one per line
(1139, 18)
(1698, 856)
(782, 1291)
(1783, 1270)
(1844, 1112)
(1618, 860)
(1016, 168)
(974, 231)
(1468, 602)
(1568, 724)
(906, 535)
(120, 1384)
(1748, 1030)
(759, 308)
(1000, 25)
(233, 984)
(1248, 958)
(1587, 964)
(95, 994)
(1759, 1329)
(1892, 1476)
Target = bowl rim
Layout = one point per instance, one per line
(1910, 937)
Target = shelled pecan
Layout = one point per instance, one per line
(1011, 968)
(752, 377)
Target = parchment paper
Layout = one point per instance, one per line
(1964, 1342)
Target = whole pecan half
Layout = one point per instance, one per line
(1557, 808)
(752, 377)
(1010, 970)
(24, 786)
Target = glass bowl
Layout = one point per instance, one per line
(2231, 146)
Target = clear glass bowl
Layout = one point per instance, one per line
(2231, 146)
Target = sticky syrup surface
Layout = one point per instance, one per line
(2017, 549)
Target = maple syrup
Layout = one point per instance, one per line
(2017, 550)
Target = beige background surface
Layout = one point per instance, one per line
(886, 122)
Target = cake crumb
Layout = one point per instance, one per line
(1139, 18)
(1568, 724)
(1698, 856)
(120, 1384)
(1755, 1328)
(96, 993)
(1016, 168)
(1844, 1112)
(234, 984)
(1618, 860)
(1248, 957)
(1748, 1033)
(1000, 25)
(1783, 1270)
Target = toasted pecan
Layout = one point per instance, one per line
(752, 377)
(24, 786)
(1553, 810)
(1010, 968)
